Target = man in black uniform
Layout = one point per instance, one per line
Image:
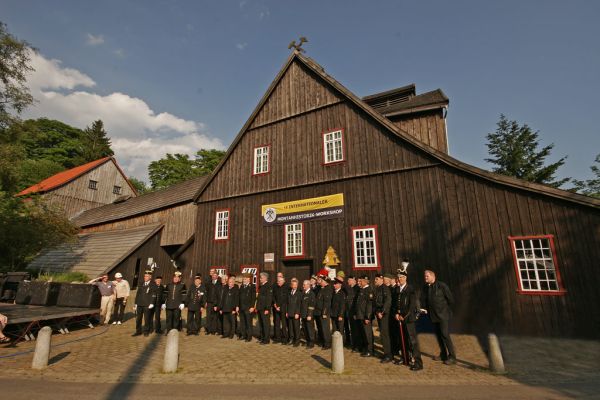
(247, 304)
(229, 306)
(323, 311)
(280, 298)
(263, 307)
(338, 306)
(383, 303)
(294, 303)
(406, 314)
(307, 308)
(158, 301)
(389, 280)
(436, 300)
(174, 302)
(196, 300)
(364, 314)
(212, 297)
(144, 303)
(356, 329)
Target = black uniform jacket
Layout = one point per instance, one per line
(364, 303)
(338, 304)
(383, 299)
(161, 294)
(323, 300)
(196, 297)
(247, 297)
(146, 294)
(406, 303)
(175, 295)
(212, 292)
(265, 297)
(351, 297)
(280, 296)
(307, 307)
(437, 300)
(294, 303)
(230, 298)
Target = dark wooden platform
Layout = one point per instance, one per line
(21, 314)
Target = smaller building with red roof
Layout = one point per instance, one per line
(84, 187)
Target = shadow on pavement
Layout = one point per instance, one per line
(123, 389)
(58, 357)
(321, 361)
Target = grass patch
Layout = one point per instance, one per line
(64, 277)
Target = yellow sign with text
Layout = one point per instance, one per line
(323, 207)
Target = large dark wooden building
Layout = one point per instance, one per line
(316, 166)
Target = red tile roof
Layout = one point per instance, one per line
(63, 177)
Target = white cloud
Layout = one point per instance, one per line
(139, 134)
(241, 46)
(120, 53)
(94, 40)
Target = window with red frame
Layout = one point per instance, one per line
(261, 160)
(535, 264)
(364, 245)
(293, 240)
(333, 147)
(222, 225)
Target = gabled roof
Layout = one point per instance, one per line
(182, 192)
(94, 253)
(64, 177)
(396, 131)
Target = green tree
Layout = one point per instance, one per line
(207, 160)
(14, 98)
(139, 185)
(514, 152)
(15, 57)
(590, 187)
(28, 227)
(96, 143)
(174, 168)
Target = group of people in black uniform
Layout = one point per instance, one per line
(311, 310)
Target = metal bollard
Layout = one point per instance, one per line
(42, 348)
(495, 355)
(337, 353)
(171, 360)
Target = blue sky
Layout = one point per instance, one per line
(174, 75)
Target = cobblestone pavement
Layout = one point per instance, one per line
(111, 355)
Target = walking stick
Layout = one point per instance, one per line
(404, 355)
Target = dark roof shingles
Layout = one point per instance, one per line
(178, 193)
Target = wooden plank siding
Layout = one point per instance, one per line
(76, 196)
(435, 210)
(454, 229)
(297, 153)
(179, 221)
(429, 127)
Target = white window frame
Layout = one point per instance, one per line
(294, 239)
(333, 146)
(535, 264)
(222, 225)
(262, 163)
(365, 251)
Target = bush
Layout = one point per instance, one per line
(66, 277)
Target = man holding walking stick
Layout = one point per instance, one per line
(406, 314)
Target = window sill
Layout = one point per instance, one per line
(561, 292)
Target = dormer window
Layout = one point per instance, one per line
(93, 185)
